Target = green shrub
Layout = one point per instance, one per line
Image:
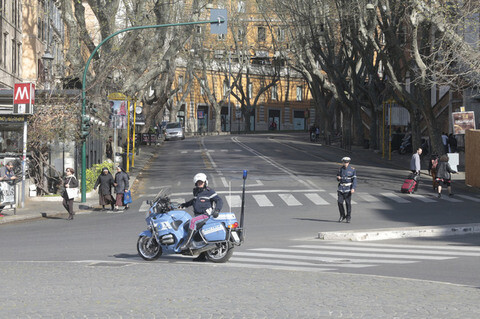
(93, 173)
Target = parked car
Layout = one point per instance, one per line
(174, 130)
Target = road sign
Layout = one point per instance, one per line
(23, 98)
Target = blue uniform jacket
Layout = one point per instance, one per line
(348, 179)
(203, 200)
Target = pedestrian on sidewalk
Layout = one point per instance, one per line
(69, 181)
(432, 169)
(452, 143)
(347, 183)
(106, 181)
(445, 142)
(121, 186)
(415, 166)
(109, 149)
(444, 176)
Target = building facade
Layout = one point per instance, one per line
(247, 73)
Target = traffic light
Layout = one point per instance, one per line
(85, 126)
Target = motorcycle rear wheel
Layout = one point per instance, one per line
(148, 248)
(220, 254)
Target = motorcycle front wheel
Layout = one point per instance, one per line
(148, 248)
(220, 254)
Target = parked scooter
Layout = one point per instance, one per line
(168, 229)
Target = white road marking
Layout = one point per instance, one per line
(475, 199)
(290, 200)
(395, 198)
(345, 260)
(262, 200)
(412, 250)
(234, 201)
(342, 253)
(335, 195)
(224, 181)
(316, 199)
(423, 198)
(450, 199)
(144, 207)
(370, 244)
(367, 197)
(289, 268)
(296, 263)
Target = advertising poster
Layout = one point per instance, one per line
(118, 117)
(7, 195)
(463, 121)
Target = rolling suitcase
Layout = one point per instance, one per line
(409, 184)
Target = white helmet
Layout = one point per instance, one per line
(200, 177)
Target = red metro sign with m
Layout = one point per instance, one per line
(23, 98)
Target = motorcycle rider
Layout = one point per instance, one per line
(205, 202)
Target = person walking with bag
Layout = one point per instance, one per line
(70, 184)
(121, 187)
(444, 176)
(415, 166)
(106, 181)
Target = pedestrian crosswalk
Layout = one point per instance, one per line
(335, 256)
(309, 197)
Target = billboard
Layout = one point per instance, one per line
(118, 114)
(463, 121)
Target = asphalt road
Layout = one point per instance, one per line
(90, 267)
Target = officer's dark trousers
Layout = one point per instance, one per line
(347, 198)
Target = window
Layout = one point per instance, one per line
(198, 29)
(274, 92)
(226, 88)
(5, 49)
(299, 93)
(14, 12)
(280, 35)
(202, 84)
(250, 90)
(14, 57)
(262, 35)
(241, 34)
(221, 36)
(180, 83)
(19, 50)
(241, 7)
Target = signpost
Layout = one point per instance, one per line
(23, 102)
(220, 21)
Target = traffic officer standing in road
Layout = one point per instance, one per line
(347, 182)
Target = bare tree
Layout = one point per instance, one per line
(133, 62)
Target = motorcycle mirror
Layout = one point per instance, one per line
(244, 174)
(149, 203)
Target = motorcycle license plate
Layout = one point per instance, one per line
(235, 237)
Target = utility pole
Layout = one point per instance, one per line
(218, 22)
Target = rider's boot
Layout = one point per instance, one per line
(187, 241)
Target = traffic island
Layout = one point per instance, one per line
(396, 233)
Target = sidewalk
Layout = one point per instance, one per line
(51, 207)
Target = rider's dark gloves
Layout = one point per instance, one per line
(215, 213)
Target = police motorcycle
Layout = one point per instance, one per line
(168, 229)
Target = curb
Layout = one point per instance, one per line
(396, 233)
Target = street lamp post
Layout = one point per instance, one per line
(220, 20)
